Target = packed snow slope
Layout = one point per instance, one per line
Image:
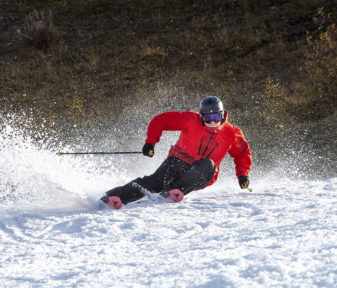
(52, 234)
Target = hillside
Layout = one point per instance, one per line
(72, 69)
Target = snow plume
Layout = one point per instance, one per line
(33, 175)
(28, 173)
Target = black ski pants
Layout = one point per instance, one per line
(173, 173)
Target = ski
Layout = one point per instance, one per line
(114, 202)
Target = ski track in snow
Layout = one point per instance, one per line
(284, 234)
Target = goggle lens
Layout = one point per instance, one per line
(212, 117)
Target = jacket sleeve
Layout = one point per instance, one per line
(241, 153)
(168, 121)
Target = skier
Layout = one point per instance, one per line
(193, 162)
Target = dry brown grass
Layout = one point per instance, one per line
(82, 62)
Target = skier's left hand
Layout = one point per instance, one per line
(244, 182)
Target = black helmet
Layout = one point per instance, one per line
(211, 104)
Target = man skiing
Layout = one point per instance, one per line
(193, 162)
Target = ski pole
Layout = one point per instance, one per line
(97, 153)
(250, 189)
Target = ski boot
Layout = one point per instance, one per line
(112, 201)
(175, 195)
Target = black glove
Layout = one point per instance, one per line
(243, 182)
(148, 149)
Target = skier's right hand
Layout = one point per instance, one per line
(148, 149)
(244, 182)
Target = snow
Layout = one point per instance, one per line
(283, 234)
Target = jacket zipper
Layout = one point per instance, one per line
(202, 139)
(210, 139)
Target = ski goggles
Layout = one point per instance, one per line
(212, 117)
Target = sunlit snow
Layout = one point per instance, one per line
(283, 234)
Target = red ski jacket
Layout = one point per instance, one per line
(197, 141)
